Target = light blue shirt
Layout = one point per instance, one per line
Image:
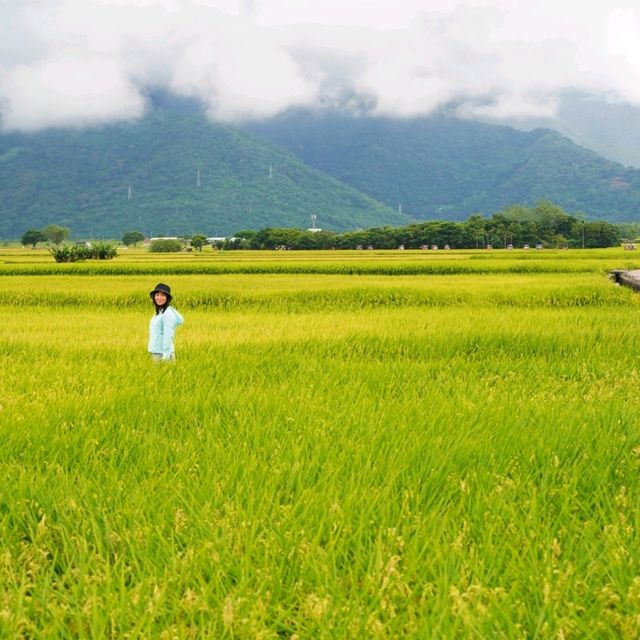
(162, 329)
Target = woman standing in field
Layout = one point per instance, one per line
(162, 327)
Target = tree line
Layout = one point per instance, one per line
(544, 224)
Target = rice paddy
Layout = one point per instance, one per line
(350, 445)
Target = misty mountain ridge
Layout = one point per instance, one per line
(611, 129)
(444, 167)
(174, 172)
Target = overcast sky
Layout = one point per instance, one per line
(86, 62)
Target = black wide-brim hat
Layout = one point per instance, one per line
(162, 288)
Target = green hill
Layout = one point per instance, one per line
(176, 173)
(171, 173)
(443, 167)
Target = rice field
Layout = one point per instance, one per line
(350, 445)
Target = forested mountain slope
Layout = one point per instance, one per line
(171, 173)
(443, 167)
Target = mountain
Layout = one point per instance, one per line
(611, 129)
(171, 173)
(174, 172)
(444, 167)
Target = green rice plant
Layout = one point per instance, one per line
(302, 293)
(331, 456)
(140, 262)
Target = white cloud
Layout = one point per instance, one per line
(86, 62)
(67, 92)
(239, 72)
(510, 107)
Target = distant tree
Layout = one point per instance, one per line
(245, 234)
(317, 240)
(601, 234)
(198, 241)
(242, 239)
(56, 233)
(382, 237)
(351, 239)
(132, 238)
(552, 219)
(165, 246)
(475, 228)
(630, 231)
(32, 237)
(499, 229)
